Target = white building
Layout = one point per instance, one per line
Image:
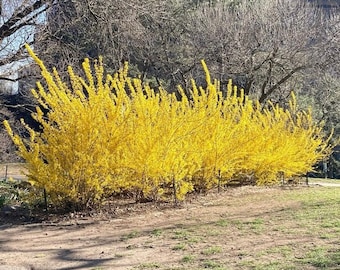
(9, 77)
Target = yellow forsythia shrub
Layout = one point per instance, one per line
(103, 134)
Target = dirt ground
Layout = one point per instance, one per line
(133, 237)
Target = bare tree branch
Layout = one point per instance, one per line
(10, 26)
(265, 95)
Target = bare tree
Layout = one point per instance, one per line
(268, 47)
(271, 47)
(18, 22)
(7, 148)
(149, 34)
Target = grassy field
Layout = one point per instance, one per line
(10, 173)
(282, 228)
(323, 180)
(11, 170)
(305, 235)
(245, 228)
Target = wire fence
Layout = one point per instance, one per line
(12, 171)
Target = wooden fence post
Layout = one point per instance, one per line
(6, 172)
(45, 200)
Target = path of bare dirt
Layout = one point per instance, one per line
(130, 240)
(323, 184)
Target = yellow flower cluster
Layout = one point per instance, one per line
(104, 135)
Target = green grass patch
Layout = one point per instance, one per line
(285, 251)
(10, 192)
(222, 223)
(322, 258)
(265, 265)
(188, 259)
(212, 250)
(254, 225)
(180, 246)
(181, 234)
(210, 264)
(156, 232)
(152, 265)
(130, 235)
